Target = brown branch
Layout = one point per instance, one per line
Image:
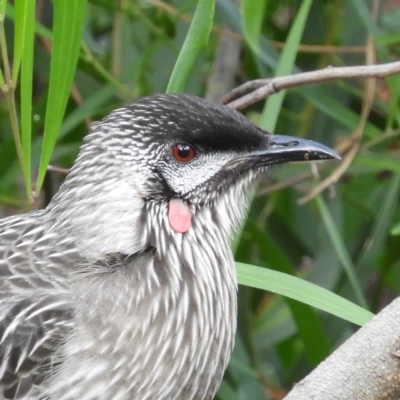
(53, 168)
(366, 367)
(260, 89)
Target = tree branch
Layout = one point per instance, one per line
(259, 89)
(365, 367)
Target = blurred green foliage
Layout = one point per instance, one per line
(340, 240)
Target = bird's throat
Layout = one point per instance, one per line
(179, 216)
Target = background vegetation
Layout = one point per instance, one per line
(342, 240)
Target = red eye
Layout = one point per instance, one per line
(183, 152)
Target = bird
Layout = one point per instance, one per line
(124, 286)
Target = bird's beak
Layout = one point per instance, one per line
(282, 149)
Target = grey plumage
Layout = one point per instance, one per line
(101, 297)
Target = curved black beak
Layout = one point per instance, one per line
(282, 149)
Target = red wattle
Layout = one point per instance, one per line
(179, 216)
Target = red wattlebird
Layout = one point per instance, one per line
(124, 287)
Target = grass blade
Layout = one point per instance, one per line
(341, 250)
(68, 24)
(301, 290)
(252, 18)
(382, 225)
(196, 39)
(23, 57)
(273, 105)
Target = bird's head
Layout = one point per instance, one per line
(176, 152)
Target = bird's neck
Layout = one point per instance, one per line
(163, 310)
(97, 216)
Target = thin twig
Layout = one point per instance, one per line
(262, 88)
(53, 168)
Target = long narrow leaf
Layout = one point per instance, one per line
(39, 28)
(195, 41)
(68, 24)
(381, 227)
(23, 53)
(301, 290)
(273, 105)
(252, 18)
(341, 250)
(24, 13)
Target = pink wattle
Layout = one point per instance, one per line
(179, 216)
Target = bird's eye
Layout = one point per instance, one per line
(183, 152)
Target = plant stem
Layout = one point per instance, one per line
(8, 89)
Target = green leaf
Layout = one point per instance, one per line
(382, 225)
(226, 392)
(195, 41)
(39, 28)
(395, 231)
(23, 57)
(301, 290)
(380, 162)
(68, 22)
(252, 18)
(273, 104)
(21, 14)
(341, 250)
(24, 12)
(3, 4)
